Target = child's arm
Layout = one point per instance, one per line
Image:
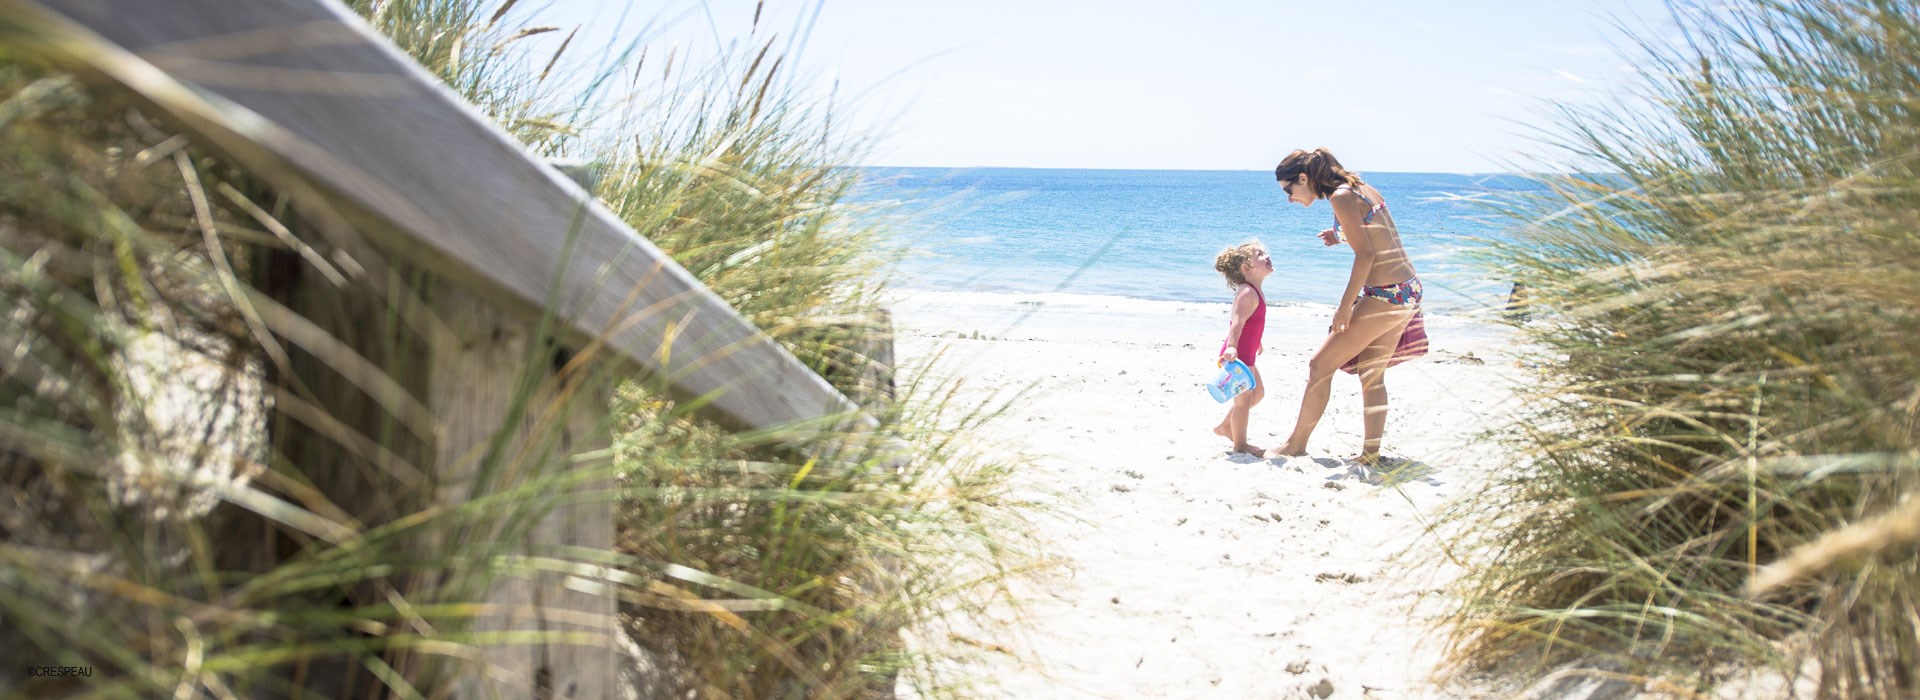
(1243, 304)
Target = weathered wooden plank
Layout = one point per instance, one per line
(304, 89)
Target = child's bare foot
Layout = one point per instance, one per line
(1221, 430)
(1287, 450)
(1248, 449)
(1370, 460)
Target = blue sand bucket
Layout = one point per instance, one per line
(1234, 378)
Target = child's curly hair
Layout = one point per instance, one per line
(1229, 261)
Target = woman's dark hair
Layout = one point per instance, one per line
(1322, 169)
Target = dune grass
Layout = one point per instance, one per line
(739, 183)
(1725, 324)
(169, 536)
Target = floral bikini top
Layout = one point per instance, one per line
(1373, 208)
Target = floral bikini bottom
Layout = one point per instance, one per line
(1403, 294)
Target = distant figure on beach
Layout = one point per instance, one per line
(1517, 311)
(1245, 266)
(1381, 295)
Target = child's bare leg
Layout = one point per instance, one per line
(1237, 423)
(1225, 428)
(1242, 412)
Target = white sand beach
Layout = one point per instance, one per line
(1186, 571)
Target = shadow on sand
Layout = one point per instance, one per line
(1391, 471)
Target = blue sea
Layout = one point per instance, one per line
(1153, 234)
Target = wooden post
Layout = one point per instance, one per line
(354, 450)
(481, 360)
(467, 370)
(859, 360)
(878, 375)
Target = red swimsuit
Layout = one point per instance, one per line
(1249, 345)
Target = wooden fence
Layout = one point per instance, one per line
(385, 163)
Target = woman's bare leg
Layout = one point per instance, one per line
(1373, 387)
(1370, 323)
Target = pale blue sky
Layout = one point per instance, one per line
(1389, 85)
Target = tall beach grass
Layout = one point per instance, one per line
(734, 170)
(1725, 319)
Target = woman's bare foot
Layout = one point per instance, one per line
(1371, 460)
(1248, 449)
(1286, 451)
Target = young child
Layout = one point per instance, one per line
(1245, 266)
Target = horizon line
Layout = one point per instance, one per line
(1213, 170)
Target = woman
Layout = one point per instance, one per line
(1381, 295)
